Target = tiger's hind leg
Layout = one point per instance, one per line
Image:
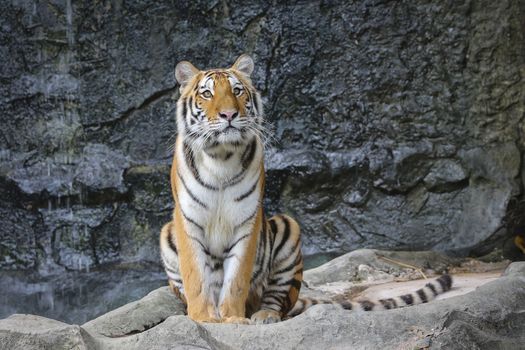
(286, 270)
(170, 260)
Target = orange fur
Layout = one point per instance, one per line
(235, 302)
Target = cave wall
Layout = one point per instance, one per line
(398, 125)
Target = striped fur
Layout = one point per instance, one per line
(223, 258)
(423, 295)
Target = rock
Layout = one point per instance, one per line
(35, 332)
(441, 323)
(358, 265)
(397, 125)
(138, 316)
(101, 168)
(18, 247)
(444, 174)
(485, 315)
(367, 273)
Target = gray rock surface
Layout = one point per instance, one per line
(398, 125)
(489, 317)
(35, 332)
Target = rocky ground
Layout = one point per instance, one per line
(484, 310)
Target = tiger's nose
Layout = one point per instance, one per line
(228, 115)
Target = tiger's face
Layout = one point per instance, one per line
(218, 106)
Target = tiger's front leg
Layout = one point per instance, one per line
(238, 267)
(199, 302)
(286, 271)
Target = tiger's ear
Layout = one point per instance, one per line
(244, 64)
(184, 71)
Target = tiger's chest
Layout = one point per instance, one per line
(224, 219)
(225, 207)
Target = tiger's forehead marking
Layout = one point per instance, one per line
(214, 77)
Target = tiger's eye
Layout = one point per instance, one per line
(237, 91)
(206, 94)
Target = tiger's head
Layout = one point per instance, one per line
(218, 106)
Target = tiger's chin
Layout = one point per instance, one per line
(231, 136)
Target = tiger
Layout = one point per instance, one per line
(222, 257)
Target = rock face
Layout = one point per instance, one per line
(397, 124)
(489, 317)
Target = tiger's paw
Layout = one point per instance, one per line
(236, 320)
(266, 317)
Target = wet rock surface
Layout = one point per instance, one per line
(398, 125)
(77, 296)
(487, 317)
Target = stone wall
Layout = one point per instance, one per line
(398, 125)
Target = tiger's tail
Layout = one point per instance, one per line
(423, 295)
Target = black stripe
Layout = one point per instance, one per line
(247, 219)
(236, 179)
(273, 226)
(183, 113)
(261, 251)
(388, 303)
(264, 228)
(385, 304)
(190, 162)
(172, 244)
(195, 199)
(445, 281)
(249, 93)
(204, 248)
(296, 284)
(268, 298)
(167, 268)
(256, 273)
(249, 192)
(247, 158)
(286, 236)
(216, 265)
(422, 295)
(394, 302)
(292, 281)
(192, 108)
(191, 220)
(347, 305)
(211, 155)
(227, 250)
(367, 305)
(288, 268)
(432, 288)
(271, 238)
(408, 299)
(193, 118)
(277, 292)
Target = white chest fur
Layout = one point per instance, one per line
(219, 194)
